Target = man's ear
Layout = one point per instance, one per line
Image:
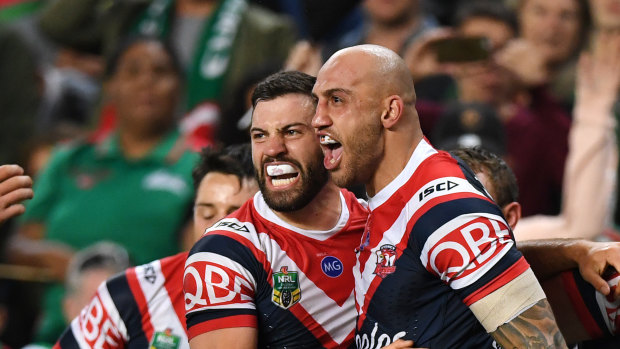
(393, 112)
(512, 212)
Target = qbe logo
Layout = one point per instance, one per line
(331, 266)
(207, 284)
(462, 255)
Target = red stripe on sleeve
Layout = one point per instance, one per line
(134, 285)
(172, 268)
(502, 279)
(226, 322)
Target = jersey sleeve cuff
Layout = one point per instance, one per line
(502, 279)
(228, 322)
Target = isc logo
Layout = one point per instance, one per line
(331, 266)
(447, 185)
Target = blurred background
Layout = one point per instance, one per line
(105, 103)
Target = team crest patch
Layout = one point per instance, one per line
(165, 340)
(286, 291)
(386, 257)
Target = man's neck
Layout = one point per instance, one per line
(322, 213)
(399, 147)
(137, 146)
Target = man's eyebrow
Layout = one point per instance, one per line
(295, 124)
(256, 129)
(332, 91)
(204, 204)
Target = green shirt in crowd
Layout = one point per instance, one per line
(91, 192)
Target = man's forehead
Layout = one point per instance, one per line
(338, 76)
(284, 111)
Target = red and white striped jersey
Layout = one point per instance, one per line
(139, 308)
(295, 286)
(435, 243)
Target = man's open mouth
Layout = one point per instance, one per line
(332, 150)
(281, 174)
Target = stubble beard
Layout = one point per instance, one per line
(311, 182)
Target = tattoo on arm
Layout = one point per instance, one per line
(534, 328)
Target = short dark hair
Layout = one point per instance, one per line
(491, 9)
(502, 178)
(130, 40)
(283, 83)
(234, 159)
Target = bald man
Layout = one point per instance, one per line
(437, 263)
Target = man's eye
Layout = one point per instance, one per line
(258, 135)
(292, 132)
(336, 99)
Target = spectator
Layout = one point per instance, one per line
(87, 269)
(552, 32)
(218, 42)
(393, 24)
(224, 180)
(132, 187)
(536, 126)
(591, 165)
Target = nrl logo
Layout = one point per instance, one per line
(386, 256)
(286, 290)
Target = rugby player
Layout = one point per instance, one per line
(437, 263)
(582, 312)
(143, 307)
(279, 271)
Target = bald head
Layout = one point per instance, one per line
(365, 117)
(378, 66)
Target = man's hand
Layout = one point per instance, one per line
(421, 59)
(595, 259)
(522, 59)
(15, 187)
(304, 57)
(598, 74)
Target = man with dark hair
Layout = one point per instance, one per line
(143, 307)
(582, 312)
(279, 271)
(491, 169)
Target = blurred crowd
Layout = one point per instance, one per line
(106, 104)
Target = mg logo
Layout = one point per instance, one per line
(331, 266)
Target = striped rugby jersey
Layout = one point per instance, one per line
(295, 286)
(434, 244)
(139, 308)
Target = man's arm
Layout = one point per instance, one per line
(220, 314)
(550, 257)
(534, 328)
(225, 338)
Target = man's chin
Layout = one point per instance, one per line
(341, 178)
